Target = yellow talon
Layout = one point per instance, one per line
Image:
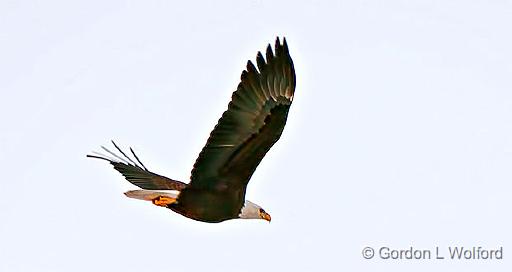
(163, 201)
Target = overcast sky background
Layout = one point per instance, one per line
(400, 133)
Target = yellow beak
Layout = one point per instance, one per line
(266, 216)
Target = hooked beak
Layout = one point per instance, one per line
(266, 216)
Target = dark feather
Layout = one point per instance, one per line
(253, 122)
(139, 175)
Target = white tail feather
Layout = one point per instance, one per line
(149, 195)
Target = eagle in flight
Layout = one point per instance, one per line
(253, 122)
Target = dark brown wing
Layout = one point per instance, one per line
(253, 122)
(138, 174)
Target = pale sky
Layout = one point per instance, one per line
(400, 133)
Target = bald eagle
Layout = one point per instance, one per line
(253, 122)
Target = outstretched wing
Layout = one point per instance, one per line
(253, 122)
(138, 174)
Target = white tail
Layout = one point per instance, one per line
(149, 195)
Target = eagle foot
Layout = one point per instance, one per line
(163, 201)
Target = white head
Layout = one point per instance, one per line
(253, 211)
